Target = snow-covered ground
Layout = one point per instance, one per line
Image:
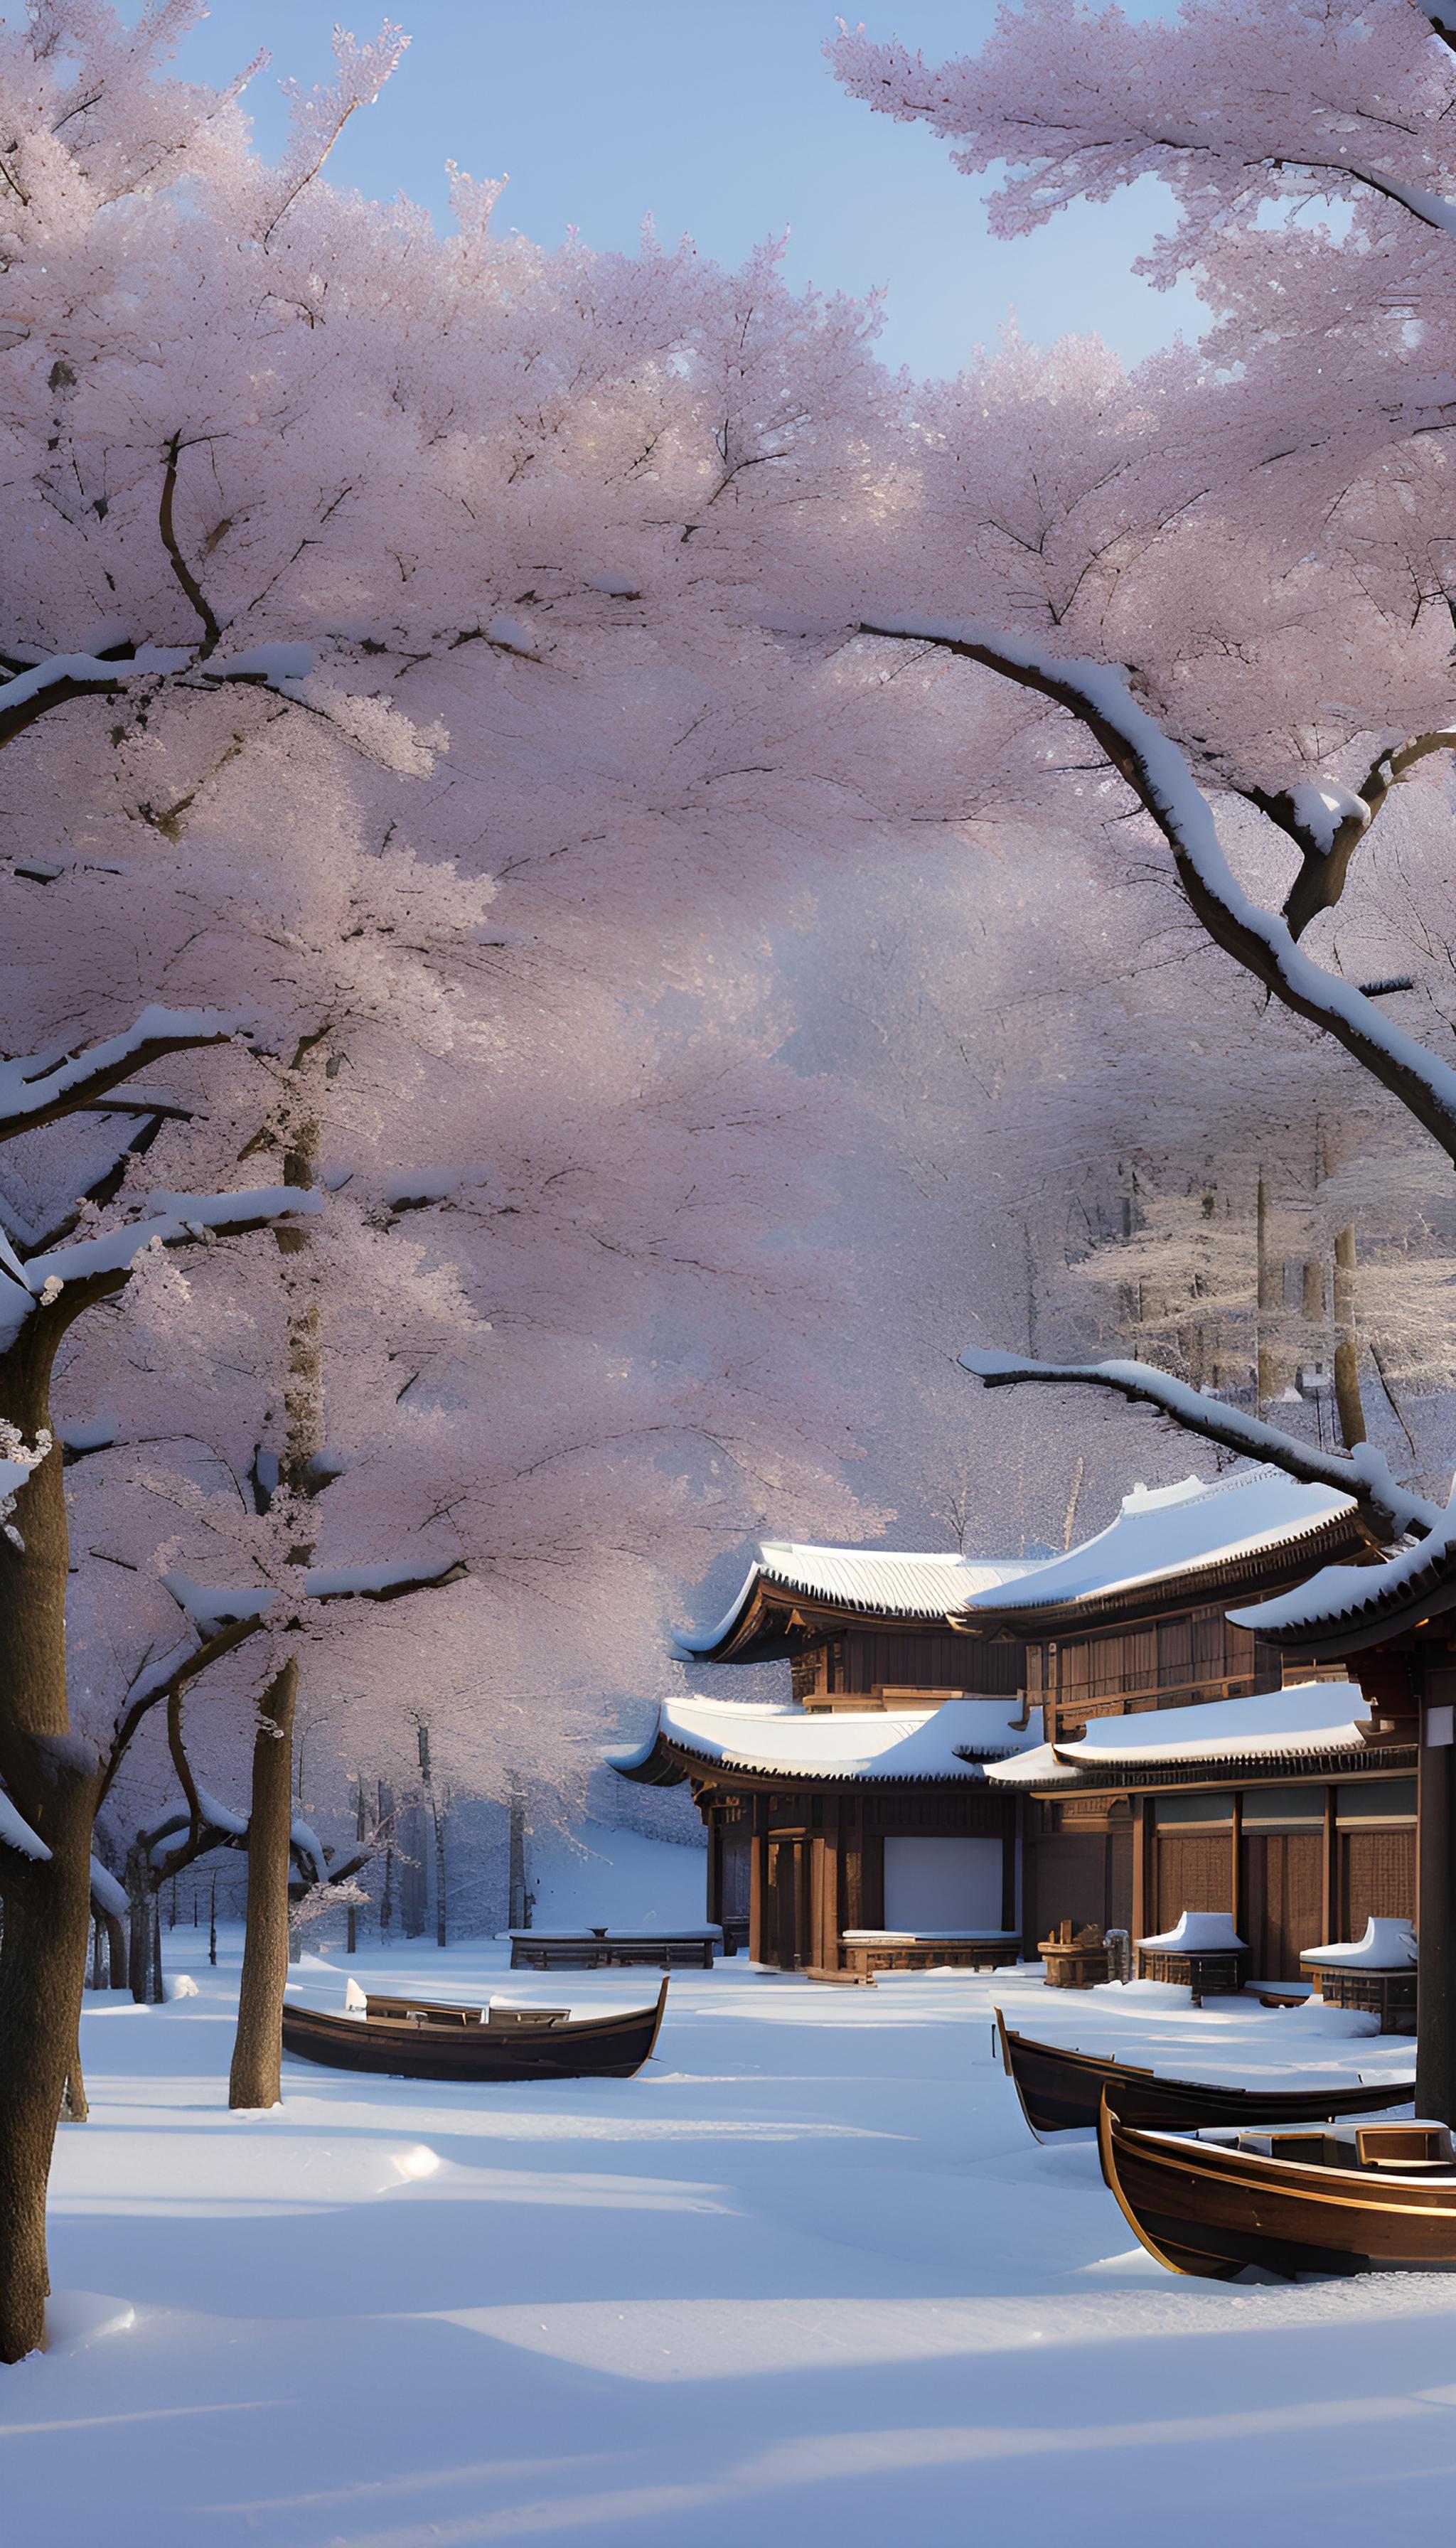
(807, 2278)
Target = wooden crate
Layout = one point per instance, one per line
(1075, 1960)
(1389, 1995)
(1212, 1976)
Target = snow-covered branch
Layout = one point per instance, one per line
(41, 1088)
(1362, 1474)
(1327, 822)
(92, 1270)
(17, 1839)
(33, 692)
(1157, 771)
(163, 1682)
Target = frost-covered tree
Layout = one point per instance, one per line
(352, 578)
(1235, 588)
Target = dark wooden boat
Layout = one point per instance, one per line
(1372, 2198)
(430, 2039)
(1061, 2090)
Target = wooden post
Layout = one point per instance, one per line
(1141, 1822)
(757, 1882)
(802, 1901)
(1008, 1872)
(1330, 1869)
(854, 1848)
(1436, 2046)
(1238, 1890)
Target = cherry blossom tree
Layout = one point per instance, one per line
(1238, 587)
(353, 576)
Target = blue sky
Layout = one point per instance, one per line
(720, 121)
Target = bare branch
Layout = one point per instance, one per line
(166, 527)
(156, 1689)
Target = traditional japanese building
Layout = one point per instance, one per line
(925, 1795)
(1292, 1810)
(1138, 1617)
(1136, 1622)
(854, 1826)
(1392, 1626)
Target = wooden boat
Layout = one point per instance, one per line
(1061, 2090)
(1360, 2199)
(433, 2039)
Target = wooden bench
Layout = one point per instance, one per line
(557, 1951)
(885, 1951)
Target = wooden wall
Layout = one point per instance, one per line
(1377, 1877)
(1295, 1866)
(815, 1855)
(1170, 1662)
(1079, 1867)
(863, 1660)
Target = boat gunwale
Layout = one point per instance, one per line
(1166, 2156)
(1247, 2103)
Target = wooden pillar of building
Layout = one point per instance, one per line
(758, 1881)
(1330, 1870)
(853, 1846)
(824, 1948)
(804, 1900)
(1142, 1925)
(1236, 1892)
(1008, 1868)
(714, 1908)
(1435, 2048)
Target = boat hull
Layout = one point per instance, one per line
(1062, 2091)
(594, 2047)
(1210, 2212)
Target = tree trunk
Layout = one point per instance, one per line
(427, 1774)
(1346, 1352)
(141, 1964)
(1268, 1292)
(1435, 2044)
(352, 1941)
(515, 1898)
(73, 2104)
(116, 1950)
(52, 1779)
(257, 2053)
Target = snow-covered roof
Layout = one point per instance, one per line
(1174, 1530)
(804, 1743)
(909, 1584)
(1356, 1598)
(1315, 1717)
